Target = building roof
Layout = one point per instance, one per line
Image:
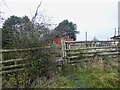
(116, 37)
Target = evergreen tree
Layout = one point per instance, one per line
(66, 29)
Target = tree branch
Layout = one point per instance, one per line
(33, 19)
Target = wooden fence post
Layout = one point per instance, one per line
(63, 50)
(119, 55)
(62, 43)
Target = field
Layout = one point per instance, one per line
(86, 75)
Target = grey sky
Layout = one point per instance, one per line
(97, 17)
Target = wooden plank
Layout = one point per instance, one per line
(87, 41)
(88, 48)
(14, 66)
(77, 61)
(14, 60)
(74, 57)
(26, 49)
(92, 55)
(91, 52)
(105, 54)
(74, 53)
(11, 71)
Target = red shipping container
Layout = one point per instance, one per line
(58, 40)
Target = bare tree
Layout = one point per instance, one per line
(36, 13)
(1, 13)
(2, 4)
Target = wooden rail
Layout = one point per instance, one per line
(73, 54)
(88, 48)
(26, 49)
(68, 54)
(89, 41)
(16, 64)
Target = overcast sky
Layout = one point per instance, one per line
(97, 17)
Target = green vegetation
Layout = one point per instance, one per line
(86, 77)
(40, 65)
(22, 33)
(66, 29)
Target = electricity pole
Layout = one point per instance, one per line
(86, 38)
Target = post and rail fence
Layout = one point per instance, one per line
(72, 52)
(17, 64)
(77, 51)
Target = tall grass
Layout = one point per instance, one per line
(96, 74)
